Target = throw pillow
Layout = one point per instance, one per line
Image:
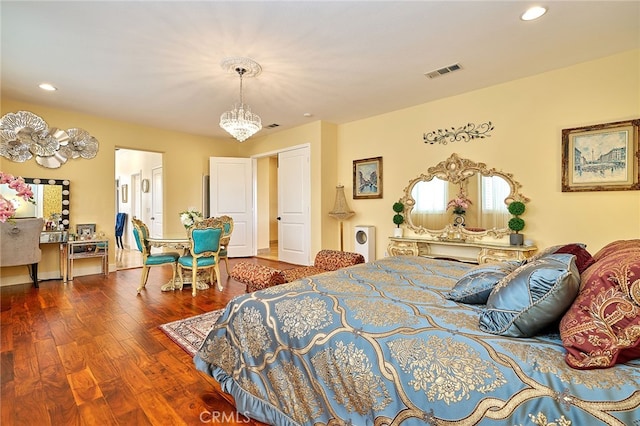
(616, 247)
(583, 257)
(602, 326)
(476, 285)
(532, 297)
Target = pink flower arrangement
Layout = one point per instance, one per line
(7, 209)
(460, 204)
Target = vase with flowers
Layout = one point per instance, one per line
(22, 189)
(190, 216)
(459, 206)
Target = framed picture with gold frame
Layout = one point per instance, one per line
(602, 157)
(367, 178)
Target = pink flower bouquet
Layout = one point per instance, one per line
(7, 209)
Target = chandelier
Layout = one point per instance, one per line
(240, 122)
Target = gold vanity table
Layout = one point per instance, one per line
(178, 244)
(471, 252)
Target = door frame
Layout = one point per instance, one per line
(255, 158)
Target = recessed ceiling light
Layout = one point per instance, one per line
(533, 13)
(48, 87)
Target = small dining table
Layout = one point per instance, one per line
(179, 243)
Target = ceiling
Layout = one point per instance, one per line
(157, 63)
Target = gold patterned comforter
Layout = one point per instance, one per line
(379, 343)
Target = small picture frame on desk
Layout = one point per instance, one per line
(85, 231)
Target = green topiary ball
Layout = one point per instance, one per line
(516, 224)
(398, 219)
(516, 208)
(398, 207)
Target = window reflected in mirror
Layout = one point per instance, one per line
(494, 192)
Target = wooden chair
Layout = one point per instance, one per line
(227, 222)
(204, 251)
(141, 233)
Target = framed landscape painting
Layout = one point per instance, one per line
(603, 157)
(367, 178)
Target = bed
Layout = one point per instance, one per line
(383, 343)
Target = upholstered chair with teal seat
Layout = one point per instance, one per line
(141, 233)
(227, 222)
(204, 251)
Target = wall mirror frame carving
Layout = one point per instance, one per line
(457, 170)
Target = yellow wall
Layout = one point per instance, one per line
(528, 115)
(92, 181)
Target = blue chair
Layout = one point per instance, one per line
(204, 251)
(121, 218)
(141, 233)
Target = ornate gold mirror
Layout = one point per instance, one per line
(461, 197)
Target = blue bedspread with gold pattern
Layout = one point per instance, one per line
(378, 343)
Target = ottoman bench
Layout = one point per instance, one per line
(258, 277)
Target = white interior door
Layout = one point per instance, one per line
(156, 203)
(231, 194)
(294, 216)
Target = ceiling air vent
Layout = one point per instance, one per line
(443, 71)
(272, 126)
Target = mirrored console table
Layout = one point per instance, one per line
(83, 249)
(60, 238)
(471, 252)
(69, 251)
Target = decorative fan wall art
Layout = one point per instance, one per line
(24, 135)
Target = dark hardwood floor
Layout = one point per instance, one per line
(90, 352)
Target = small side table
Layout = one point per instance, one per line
(84, 249)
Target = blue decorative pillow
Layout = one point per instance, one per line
(476, 285)
(532, 297)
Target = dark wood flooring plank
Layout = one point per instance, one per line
(90, 352)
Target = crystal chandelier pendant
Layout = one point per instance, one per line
(240, 122)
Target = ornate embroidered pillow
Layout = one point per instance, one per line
(476, 285)
(583, 257)
(616, 247)
(532, 297)
(602, 326)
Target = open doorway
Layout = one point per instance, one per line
(133, 172)
(282, 205)
(267, 207)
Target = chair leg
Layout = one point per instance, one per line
(217, 271)
(33, 271)
(194, 278)
(226, 264)
(143, 278)
(173, 278)
(180, 275)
